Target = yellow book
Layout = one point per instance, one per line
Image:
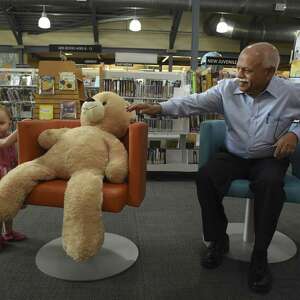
(46, 112)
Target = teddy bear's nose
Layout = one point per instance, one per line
(90, 99)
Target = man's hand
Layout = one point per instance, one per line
(286, 145)
(144, 108)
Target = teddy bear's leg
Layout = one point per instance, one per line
(17, 184)
(83, 230)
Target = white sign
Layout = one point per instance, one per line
(142, 58)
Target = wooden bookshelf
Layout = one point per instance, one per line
(54, 68)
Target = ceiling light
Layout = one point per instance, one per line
(44, 22)
(222, 26)
(135, 25)
(68, 53)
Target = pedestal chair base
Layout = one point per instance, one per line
(281, 248)
(116, 255)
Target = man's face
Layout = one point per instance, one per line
(254, 77)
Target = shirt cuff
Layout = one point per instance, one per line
(295, 128)
(166, 107)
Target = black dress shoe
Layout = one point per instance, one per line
(259, 275)
(215, 252)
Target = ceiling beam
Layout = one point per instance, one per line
(94, 22)
(14, 26)
(174, 29)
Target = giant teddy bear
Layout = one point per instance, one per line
(84, 155)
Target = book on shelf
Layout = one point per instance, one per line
(68, 110)
(46, 85)
(193, 156)
(46, 112)
(156, 156)
(25, 111)
(67, 81)
(191, 140)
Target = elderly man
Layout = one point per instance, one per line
(259, 109)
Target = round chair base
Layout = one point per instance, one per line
(116, 255)
(281, 248)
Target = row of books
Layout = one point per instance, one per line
(167, 156)
(47, 84)
(90, 91)
(17, 79)
(165, 124)
(19, 111)
(191, 142)
(16, 95)
(141, 87)
(195, 121)
(172, 124)
(67, 110)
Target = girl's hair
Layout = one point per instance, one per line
(6, 110)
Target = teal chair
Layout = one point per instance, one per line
(212, 136)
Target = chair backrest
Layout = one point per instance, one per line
(212, 137)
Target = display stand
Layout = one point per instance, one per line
(54, 68)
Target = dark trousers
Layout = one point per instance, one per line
(266, 182)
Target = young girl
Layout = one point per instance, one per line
(8, 160)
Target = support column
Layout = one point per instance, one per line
(170, 63)
(195, 33)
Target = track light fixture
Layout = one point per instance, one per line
(44, 21)
(135, 24)
(222, 26)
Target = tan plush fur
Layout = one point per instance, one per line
(84, 155)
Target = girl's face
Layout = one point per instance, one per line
(4, 123)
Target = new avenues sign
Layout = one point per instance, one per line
(75, 48)
(221, 61)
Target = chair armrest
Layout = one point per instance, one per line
(295, 162)
(212, 136)
(137, 162)
(29, 131)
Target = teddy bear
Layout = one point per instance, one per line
(84, 156)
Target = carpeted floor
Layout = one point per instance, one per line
(167, 230)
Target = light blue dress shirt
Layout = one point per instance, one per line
(253, 125)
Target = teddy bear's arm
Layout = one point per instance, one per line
(117, 167)
(50, 136)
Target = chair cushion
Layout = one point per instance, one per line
(240, 188)
(51, 193)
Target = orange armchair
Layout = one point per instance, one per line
(117, 253)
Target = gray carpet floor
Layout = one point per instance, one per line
(167, 230)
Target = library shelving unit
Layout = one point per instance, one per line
(169, 149)
(54, 69)
(17, 89)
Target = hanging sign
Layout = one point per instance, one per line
(75, 48)
(223, 61)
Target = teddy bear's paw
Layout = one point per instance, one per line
(115, 173)
(83, 250)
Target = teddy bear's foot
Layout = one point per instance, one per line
(83, 229)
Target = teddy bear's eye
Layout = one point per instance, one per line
(104, 103)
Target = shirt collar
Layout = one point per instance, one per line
(272, 88)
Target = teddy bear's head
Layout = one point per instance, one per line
(106, 110)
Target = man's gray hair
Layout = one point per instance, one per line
(270, 54)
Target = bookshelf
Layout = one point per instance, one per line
(167, 145)
(54, 101)
(17, 89)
